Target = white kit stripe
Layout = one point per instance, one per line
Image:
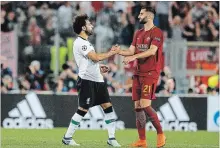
(87, 116)
(14, 113)
(24, 109)
(178, 108)
(96, 112)
(167, 112)
(159, 115)
(35, 105)
(115, 115)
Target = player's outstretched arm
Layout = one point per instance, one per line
(150, 52)
(130, 51)
(96, 57)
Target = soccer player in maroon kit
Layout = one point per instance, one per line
(147, 48)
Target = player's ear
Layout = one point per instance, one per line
(83, 28)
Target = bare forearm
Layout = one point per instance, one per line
(213, 30)
(74, 76)
(187, 33)
(144, 54)
(125, 53)
(103, 56)
(96, 57)
(71, 74)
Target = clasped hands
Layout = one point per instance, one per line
(116, 49)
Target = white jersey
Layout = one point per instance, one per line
(88, 69)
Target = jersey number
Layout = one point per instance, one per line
(147, 89)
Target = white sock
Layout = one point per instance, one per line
(74, 123)
(110, 124)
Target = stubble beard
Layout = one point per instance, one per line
(143, 21)
(89, 32)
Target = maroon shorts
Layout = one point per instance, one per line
(143, 88)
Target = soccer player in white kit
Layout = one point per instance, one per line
(92, 90)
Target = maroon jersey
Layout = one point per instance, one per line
(149, 66)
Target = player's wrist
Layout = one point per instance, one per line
(120, 52)
(135, 56)
(110, 53)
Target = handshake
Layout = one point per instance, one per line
(115, 49)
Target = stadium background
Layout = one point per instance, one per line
(36, 55)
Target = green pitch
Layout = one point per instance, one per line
(12, 138)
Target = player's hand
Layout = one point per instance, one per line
(115, 49)
(104, 68)
(128, 59)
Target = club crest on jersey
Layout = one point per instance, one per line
(84, 47)
(158, 39)
(142, 47)
(148, 39)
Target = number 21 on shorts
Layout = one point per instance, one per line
(147, 89)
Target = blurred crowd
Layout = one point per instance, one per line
(115, 20)
(37, 24)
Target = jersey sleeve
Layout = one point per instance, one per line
(157, 38)
(134, 39)
(86, 48)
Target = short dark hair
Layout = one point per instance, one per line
(190, 90)
(150, 9)
(65, 66)
(79, 22)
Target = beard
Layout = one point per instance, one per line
(143, 21)
(89, 32)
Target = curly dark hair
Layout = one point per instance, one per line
(79, 22)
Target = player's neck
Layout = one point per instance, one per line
(84, 35)
(148, 26)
